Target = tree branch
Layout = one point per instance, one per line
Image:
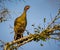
(36, 37)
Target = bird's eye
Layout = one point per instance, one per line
(27, 7)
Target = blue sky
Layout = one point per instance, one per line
(38, 10)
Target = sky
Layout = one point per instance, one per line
(35, 15)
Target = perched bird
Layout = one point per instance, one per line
(20, 24)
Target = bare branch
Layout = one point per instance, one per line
(55, 18)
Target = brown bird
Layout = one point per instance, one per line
(20, 24)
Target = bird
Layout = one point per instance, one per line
(20, 24)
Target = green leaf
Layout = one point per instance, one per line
(44, 20)
(33, 25)
(41, 44)
(39, 27)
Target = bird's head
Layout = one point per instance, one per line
(26, 7)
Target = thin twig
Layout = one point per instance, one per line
(2, 42)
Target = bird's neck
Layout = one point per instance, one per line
(23, 16)
(24, 13)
